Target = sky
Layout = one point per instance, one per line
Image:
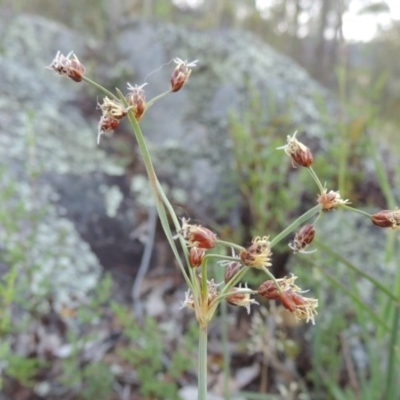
(364, 27)
(356, 27)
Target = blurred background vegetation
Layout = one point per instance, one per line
(349, 46)
(323, 36)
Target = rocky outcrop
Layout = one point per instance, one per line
(48, 137)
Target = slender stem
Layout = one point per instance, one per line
(229, 244)
(346, 207)
(202, 365)
(392, 350)
(234, 280)
(272, 277)
(204, 285)
(319, 216)
(103, 89)
(172, 214)
(225, 348)
(240, 290)
(195, 287)
(316, 179)
(157, 191)
(360, 271)
(294, 225)
(154, 99)
(220, 256)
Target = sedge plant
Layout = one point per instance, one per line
(192, 245)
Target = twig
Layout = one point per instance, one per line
(350, 366)
(145, 263)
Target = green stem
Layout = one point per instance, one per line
(158, 193)
(202, 365)
(225, 348)
(294, 225)
(223, 296)
(220, 256)
(229, 244)
(346, 207)
(155, 186)
(154, 99)
(391, 363)
(237, 278)
(270, 276)
(101, 88)
(319, 216)
(359, 271)
(204, 283)
(316, 179)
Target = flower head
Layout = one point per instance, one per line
(196, 256)
(289, 295)
(297, 151)
(113, 109)
(269, 290)
(181, 73)
(188, 302)
(212, 290)
(240, 298)
(106, 124)
(258, 255)
(301, 307)
(330, 200)
(136, 100)
(71, 68)
(231, 270)
(112, 113)
(387, 219)
(197, 235)
(302, 239)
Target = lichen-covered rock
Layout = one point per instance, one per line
(48, 140)
(48, 147)
(189, 130)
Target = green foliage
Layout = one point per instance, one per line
(263, 174)
(23, 369)
(146, 350)
(97, 382)
(147, 344)
(349, 317)
(93, 380)
(358, 326)
(359, 313)
(7, 293)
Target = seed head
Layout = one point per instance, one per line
(301, 307)
(212, 290)
(113, 109)
(181, 73)
(387, 219)
(112, 113)
(65, 66)
(196, 256)
(303, 238)
(107, 124)
(197, 235)
(231, 270)
(136, 100)
(269, 290)
(299, 153)
(292, 300)
(258, 255)
(188, 302)
(330, 200)
(240, 298)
